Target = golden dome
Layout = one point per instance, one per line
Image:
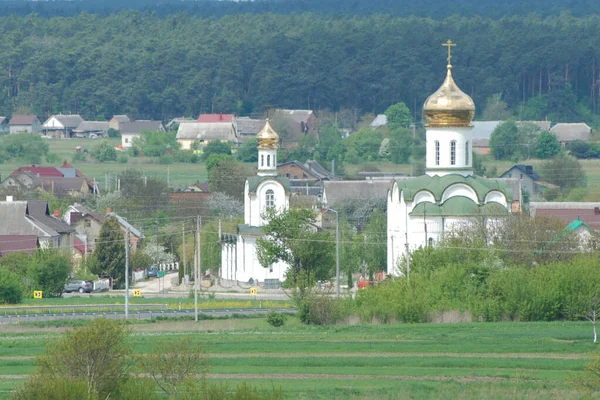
(449, 106)
(267, 137)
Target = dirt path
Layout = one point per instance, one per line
(377, 355)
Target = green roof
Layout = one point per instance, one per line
(245, 229)
(438, 184)
(566, 231)
(254, 181)
(458, 206)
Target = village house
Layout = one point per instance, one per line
(18, 244)
(4, 127)
(530, 182)
(24, 124)
(61, 125)
(248, 128)
(566, 133)
(116, 121)
(32, 217)
(86, 223)
(133, 129)
(293, 124)
(588, 212)
(208, 128)
(309, 171)
(135, 236)
(87, 128)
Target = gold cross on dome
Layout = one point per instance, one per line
(449, 45)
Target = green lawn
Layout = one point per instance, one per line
(445, 361)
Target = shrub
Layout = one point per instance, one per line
(276, 319)
(51, 158)
(79, 157)
(320, 309)
(122, 158)
(165, 160)
(11, 291)
(104, 152)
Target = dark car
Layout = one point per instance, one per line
(79, 286)
(152, 272)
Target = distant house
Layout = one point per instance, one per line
(530, 181)
(205, 132)
(4, 128)
(63, 125)
(135, 236)
(18, 244)
(86, 223)
(588, 212)
(248, 128)
(216, 118)
(86, 128)
(295, 123)
(336, 192)
(24, 124)
(33, 218)
(174, 123)
(566, 133)
(62, 181)
(543, 125)
(133, 129)
(481, 134)
(116, 121)
(379, 121)
(308, 171)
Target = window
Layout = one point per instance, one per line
(262, 160)
(521, 176)
(270, 198)
(430, 242)
(269, 160)
(437, 152)
(453, 152)
(287, 174)
(126, 140)
(467, 153)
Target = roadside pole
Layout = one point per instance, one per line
(127, 274)
(196, 258)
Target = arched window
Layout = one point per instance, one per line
(467, 153)
(437, 152)
(270, 198)
(262, 160)
(430, 242)
(453, 152)
(268, 160)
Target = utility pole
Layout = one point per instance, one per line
(156, 257)
(183, 234)
(126, 274)
(196, 262)
(337, 251)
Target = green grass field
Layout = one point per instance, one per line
(437, 361)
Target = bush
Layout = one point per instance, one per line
(186, 156)
(320, 309)
(113, 133)
(165, 160)
(122, 158)
(79, 157)
(11, 291)
(276, 319)
(51, 158)
(105, 152)
(49, 271)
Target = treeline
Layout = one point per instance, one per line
(151, 67)
(213, 8)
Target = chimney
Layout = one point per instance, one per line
(220, 117)
(9, 198)
(57, 213)
(108, 211)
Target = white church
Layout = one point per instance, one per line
(239, 260)
(420, 210)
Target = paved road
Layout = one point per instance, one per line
(13, 319)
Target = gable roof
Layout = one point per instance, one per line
(293, 115)
(38, 210)
(543, 125)
(68, 121)
(254, 181)
(569, 132)
(588, 212)
(206, 131)
(23, 120)
(121, 118)
(136, 127)
(335, 192)
(92, 126)
(312, 167)
(85, 212)
(458, 206)
(15, 221)
(380, 120)
(126, 224)
(42, 172)
(249, 126)
(525, 169)
(483, 129)
(210, 118)
(18, 243)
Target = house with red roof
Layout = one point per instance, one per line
(213, 118)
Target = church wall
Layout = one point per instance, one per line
(445, 136)
(258, 201)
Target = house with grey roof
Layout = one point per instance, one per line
(205, 132)
(133, 129)
(86, 128)
(292, 124)
(116, 121)
(379, 121)
(543, 125)
(32, 217)
(174, 123)
(87, 224)
(24, 124)
(482, 131)
(247, 128)
(61, 125)
(135, 235)
(337, 192)
(529, 181)
(570, 132)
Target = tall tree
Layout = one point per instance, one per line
(109, 253)
(398, 116)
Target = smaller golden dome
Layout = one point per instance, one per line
(449, 106)
(267, 138)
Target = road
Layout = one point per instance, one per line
(134, 315)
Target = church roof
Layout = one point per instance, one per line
(437, 185)
(458, 206)
(245, 229)
(254, 181)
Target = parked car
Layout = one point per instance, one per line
(79, 286)
(152, 272)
